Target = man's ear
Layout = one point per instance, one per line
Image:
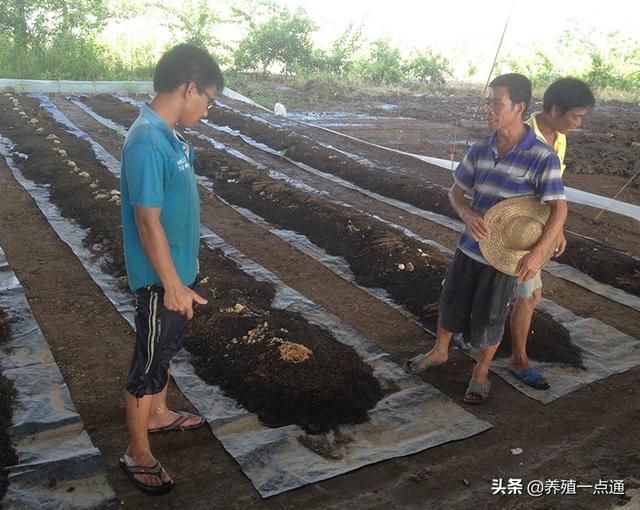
(190, 89)
(521, 107)
(554, 112)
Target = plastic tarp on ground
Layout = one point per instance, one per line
(605, 350)
(413, 417)
(58, 466)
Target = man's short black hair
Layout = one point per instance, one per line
(567, 93)
(186, 63)
(518, 85)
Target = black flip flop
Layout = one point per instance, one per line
(176, 425)
(155, 470)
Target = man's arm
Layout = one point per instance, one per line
(531, 263)
(177, 297)
(473, 220)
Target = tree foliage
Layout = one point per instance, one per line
(383, 66)
(428, 67)
(193, 22)
(40, 22)
(282, 41)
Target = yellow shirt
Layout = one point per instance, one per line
(560, 145)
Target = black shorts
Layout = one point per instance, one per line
(159, 337)
(476, 300)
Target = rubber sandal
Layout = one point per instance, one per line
(155, 470)
(479, 390)
(418, 363)
(532, 377)
(177, 424)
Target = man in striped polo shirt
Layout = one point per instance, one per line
(509, 163)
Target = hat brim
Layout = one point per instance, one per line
(497, 249)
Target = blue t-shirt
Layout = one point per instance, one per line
(157, 171)
(530, 168)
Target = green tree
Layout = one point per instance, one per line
(601, 74)
(38, 35)
(195, 22)
(38, 22)
(341, 58)
(428, 66)
(384, 65)
(283, 40)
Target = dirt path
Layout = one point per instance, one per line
(595, 437)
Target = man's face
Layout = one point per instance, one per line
(500, 111)
(197, 102)
(570, 120)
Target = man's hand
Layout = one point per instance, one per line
(476, 225)
(562, 244)
(180, 299)
(528, 266)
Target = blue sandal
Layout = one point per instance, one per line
(458, 341)
(531, 377)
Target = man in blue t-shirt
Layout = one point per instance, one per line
(161, 228)
(511, 162)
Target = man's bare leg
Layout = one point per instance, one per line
(438, 355)
(481, 370)
(160, 415)
(521, 317)
(139, 449)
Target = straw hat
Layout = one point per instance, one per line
(516, 225)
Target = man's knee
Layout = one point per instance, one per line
(536, 296)
(530, 302)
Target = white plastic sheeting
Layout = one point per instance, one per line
(605, 351)
(58, 466)
(109, 87)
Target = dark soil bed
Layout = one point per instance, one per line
(273, 362)
(547, 341)
(377, 255)
(7, 396)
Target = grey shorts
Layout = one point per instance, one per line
(159, 336)
(475, 300)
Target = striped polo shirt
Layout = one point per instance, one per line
(531, 168)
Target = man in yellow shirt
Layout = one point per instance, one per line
(564, 106)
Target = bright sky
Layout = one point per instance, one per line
(470, 27)
(478, 22)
